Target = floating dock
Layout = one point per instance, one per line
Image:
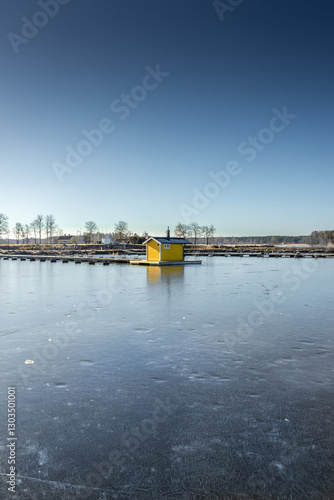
(65, 259)
(141, 262)
(106, 260)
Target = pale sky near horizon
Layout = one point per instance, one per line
(206, 112)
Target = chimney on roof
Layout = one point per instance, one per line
(168, 233)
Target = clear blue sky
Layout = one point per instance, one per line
(198, 88)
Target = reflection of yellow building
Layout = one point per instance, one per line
(162, 273)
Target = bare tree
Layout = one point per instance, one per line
(39, 222)
(208, 232)
(212, 230)
(18, 229)
(86, 238)
(23, 233)
(121, 229)
(34, 228)
(3, 224)
(26, 229)
(90, 228)
(50, 227)
(195, 229)
(181, 230)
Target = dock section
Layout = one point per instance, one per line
(139, 258)
(141, 262)
(65, 259)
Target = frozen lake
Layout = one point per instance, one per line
(204, 382)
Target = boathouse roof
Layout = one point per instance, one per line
(165, 240)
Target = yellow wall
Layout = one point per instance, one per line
(152, 248)
(174, 253)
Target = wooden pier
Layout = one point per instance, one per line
(106, 260)
(65, 259)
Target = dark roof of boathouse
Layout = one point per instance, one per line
(165, 240)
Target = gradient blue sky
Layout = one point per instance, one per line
(225, 78)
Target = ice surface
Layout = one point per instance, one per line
(213, 381)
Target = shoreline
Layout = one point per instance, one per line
(125, 253)
(93, 249)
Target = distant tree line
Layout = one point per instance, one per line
(42, 225)
(120, 234)
(4, 227)
(195, 231)
(321, 237)
(204, 234)
(262, 240)
(44, 228)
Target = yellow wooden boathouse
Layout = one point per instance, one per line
(162, 249)
(165, 251)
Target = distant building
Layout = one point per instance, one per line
(107, 240)
(66, 240)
